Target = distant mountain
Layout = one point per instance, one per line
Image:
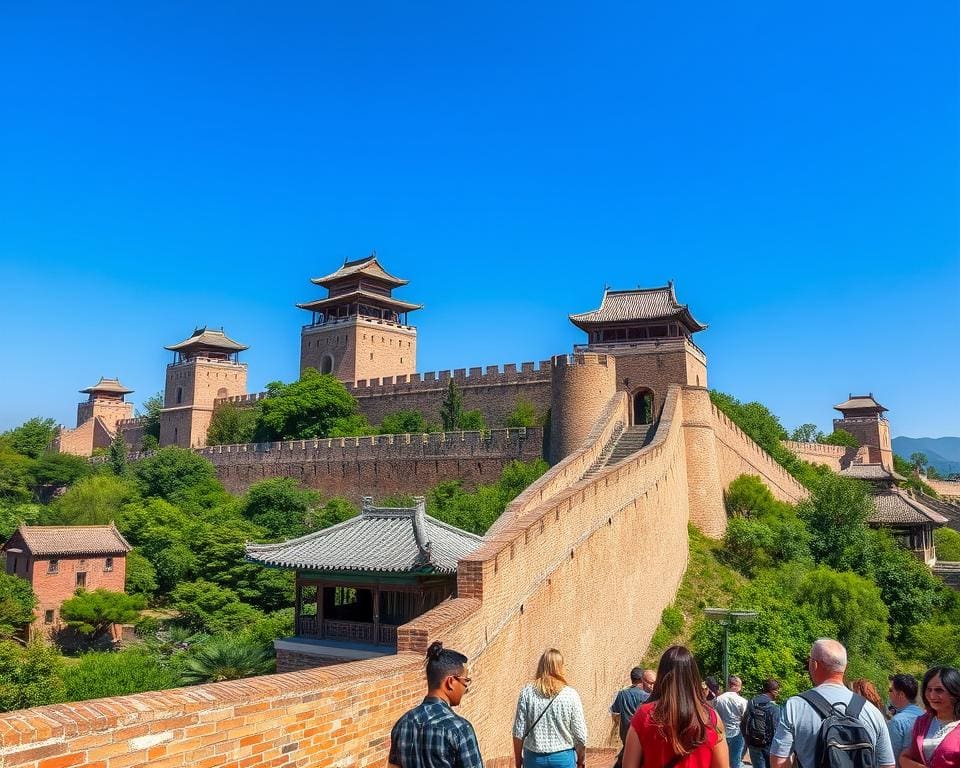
(943, 453)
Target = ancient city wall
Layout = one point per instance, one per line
(83, 440)
(739, 455)
(493, 391)
(379, 464)
(949, 489)
(553, 571)
(817, 453)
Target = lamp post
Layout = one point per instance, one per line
(726, 617)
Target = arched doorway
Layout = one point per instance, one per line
(326, 364)
(643, 406)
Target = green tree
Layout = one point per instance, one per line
(225, 658)
(947, 542)
(118, 456)
(17, 602)
(141, 576)
(151, 415)
(404, 422)
(281, 507)
(451, 409)
(133, 670)
(94, 500)
(173, 564)
(836, 516)
(32, 437)
(473, 421)
(919, 460)
(59, 469)
(806, 433)
(336, 510)
(149, 443)
(231, 424)
(92, 613)
(29, 676)
(524, 414)
(311, 407)
(14, 515)
(16, 476)
(841, 437)
(207, 607)
(748, 496)
(181, 477)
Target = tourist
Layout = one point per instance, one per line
(731, 707)
(431, 735)
(902, 695)
(869, 691)
(760, 723)
(675, 728)
(935, 739)
(799, 729)
(625, 705)
(712, 688)
(549, 728)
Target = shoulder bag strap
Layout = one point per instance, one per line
(855, 707)
(820, 705)
(530, 729)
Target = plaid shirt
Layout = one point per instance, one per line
(432, 736)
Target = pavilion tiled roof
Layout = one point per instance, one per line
(896, 507)
(641, 304)
(379, 539)
(375, 299)
(107, 385)
(857, 402)
(866, 472)
(369, 266)
(208, 337)
(71, 539)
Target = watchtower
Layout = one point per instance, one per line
(359, 331)
(648, 332)
(105, 400)
(863, 418)
(205, 367)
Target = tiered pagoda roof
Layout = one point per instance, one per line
(366, 267)
(363, 282)
(111, 386)
(861, 403)
(208, 338)
(379, 540)
(643, 305)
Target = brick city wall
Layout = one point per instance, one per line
(493, 391)
(949, 489)
(83, 440)
(552, 571)
(832, 456)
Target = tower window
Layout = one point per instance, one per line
(326, 364)
(108, 564)
(179, 395)
(81, 580)
(53, 566)
(48, 616)
(371, 355)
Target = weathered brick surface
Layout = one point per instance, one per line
(832, 456)
(189, 394)
(583, 565)
(359, 348)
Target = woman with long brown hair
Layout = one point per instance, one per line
(863, 687)
(549, 728)
(675, 728)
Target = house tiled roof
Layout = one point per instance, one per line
(71, 539)
(384, 540)
(107, 385)
(209, 337)
(642, 304)
(866, 472)
(857, 402)
(369, 266)
(896, 507)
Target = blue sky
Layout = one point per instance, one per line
(795, 168)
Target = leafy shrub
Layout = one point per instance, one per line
(403, 422)
(230, 424)
(947, 542)
(225, 658)
(523, 415)
(672, 620)
(92, 613)
(95, 675)
(29, 676)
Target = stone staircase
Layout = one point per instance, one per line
(622, 444)
(948, 572)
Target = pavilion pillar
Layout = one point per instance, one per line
(320, 589)
(376, 614)
(297, 600)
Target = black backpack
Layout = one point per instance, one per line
(844, 741)
(757, 725)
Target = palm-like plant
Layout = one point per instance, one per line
(225, 658)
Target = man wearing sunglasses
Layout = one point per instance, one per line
(431, 735)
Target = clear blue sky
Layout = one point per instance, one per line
(795, 168)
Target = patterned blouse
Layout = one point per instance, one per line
(562, 727)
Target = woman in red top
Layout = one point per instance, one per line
(675, 728)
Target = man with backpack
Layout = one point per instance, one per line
(760, 723)
(830, 726)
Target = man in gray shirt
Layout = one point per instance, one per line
(800, 724)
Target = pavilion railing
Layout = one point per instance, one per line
(348, 631)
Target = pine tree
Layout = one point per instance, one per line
(118, 456)
(451, 410)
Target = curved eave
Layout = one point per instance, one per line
(373, 299)
(229, 345)
(429, 568)
(588, 321)
(369, 267)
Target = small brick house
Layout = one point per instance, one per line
(59, 560)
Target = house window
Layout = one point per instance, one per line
(81, 580)
(48, 617)
(108, 564)
(53, 566)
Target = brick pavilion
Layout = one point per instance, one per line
(357, 581)
(59, 560)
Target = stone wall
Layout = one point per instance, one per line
(551, 572)
(83, 440)
(949, 489)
